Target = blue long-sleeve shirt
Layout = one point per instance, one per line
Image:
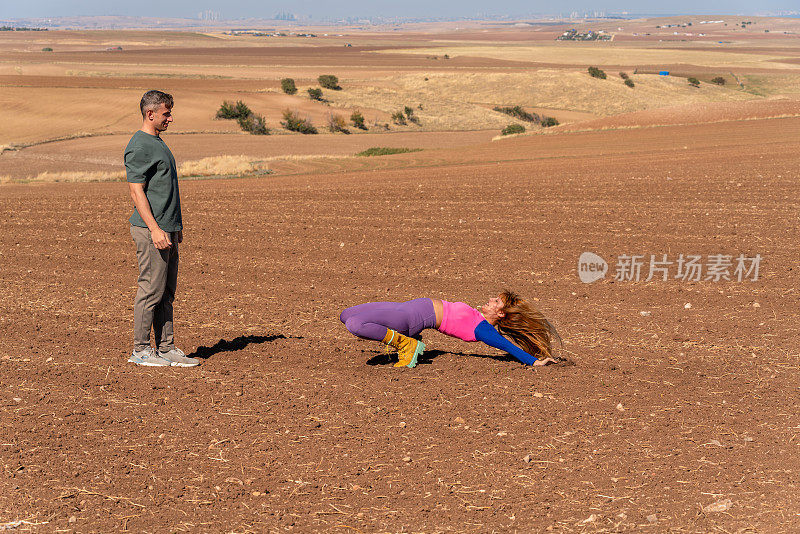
(486, 333)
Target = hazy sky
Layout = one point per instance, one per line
(408, 8)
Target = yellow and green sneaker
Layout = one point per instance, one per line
(408, 348)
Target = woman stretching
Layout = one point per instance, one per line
(398, 323)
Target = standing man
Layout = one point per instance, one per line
(157, 228)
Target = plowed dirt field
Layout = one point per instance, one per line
(683, 418)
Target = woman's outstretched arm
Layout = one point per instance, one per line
(486, 333)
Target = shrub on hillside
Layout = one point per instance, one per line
(594, 72)
(47, 49)
(315, 94)
(519, 113)
(385, 151)
(399, 118)
(288, 86)
(513, 129)
(358, 120)
(329, 81)
(292, 122)
(409, 111)
(547, 122)
(624, 75)
(719, 80)
(629, 83)
(236, 111)
(247, 120)
(694, 82)
(254, 124)
(336, 123)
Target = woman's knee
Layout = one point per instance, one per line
(353, 324)
(347, 313)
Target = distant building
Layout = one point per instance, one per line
(574, 35)
(209, 15)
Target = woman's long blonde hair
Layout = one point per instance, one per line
(526, 326)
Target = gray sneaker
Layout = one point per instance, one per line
(148, 358)
(177, 358)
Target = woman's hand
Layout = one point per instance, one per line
(546, 361)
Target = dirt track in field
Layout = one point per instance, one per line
(682, 420)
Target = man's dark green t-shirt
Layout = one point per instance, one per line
(148, 161)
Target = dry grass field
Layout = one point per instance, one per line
(82, 89)
(680, 413)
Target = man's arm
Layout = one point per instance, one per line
(160, 237)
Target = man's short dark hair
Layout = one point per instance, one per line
(153, 100)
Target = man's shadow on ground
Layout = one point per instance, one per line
(429, 355)
(239, 343)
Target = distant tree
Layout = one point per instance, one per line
(288, 86)
(398, 117)
(624, 75)
(694, 82)
(236, 111)
(549, 121)
(248, 121)
(329, 81)
(315, 94)
(519, 113)
(594, 72)
(254, 124)
(719, 80)
(292, 121)
(47, 49)
(358, 120)
(409, 111)
(629, 83)
(513, 129)
(336, 123)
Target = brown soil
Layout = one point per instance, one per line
(293, 424)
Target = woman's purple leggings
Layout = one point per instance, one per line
(371, 320)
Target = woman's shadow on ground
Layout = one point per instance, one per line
(239, 343)
(429, 355)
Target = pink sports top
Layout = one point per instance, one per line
(459, 320)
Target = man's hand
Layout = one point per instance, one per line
(180, 236)
(160, 239)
